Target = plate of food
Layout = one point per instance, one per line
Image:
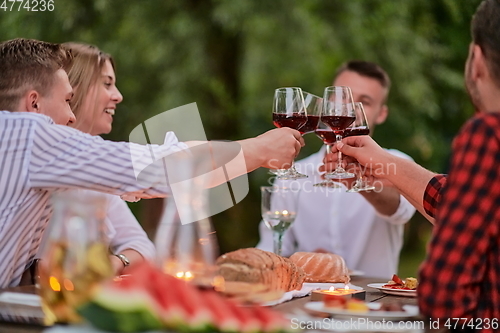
(398, 287)
(356, 308)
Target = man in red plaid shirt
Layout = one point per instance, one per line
(460, 277)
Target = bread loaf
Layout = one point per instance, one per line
(256, 266)
(322, 267)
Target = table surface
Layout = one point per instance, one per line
(290, 307)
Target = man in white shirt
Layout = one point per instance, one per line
(38, 156)
(365, 228)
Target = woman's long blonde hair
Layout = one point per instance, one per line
(83, 71)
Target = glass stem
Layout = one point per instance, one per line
(278, 242)
(338, 137)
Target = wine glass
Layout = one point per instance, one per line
(289, 110)
(359, 127)
(74, 255)
(338, 113)
(314, 105)
(279, 208)
(327, 135)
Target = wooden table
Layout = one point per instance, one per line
(290, 307)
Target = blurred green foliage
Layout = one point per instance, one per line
(229, 55)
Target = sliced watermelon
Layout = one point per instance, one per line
(248, 322)
(199, 315)
(271, 321)
(224, 320)
(171, 311)
(120, 307)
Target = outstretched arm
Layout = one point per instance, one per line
(407, 176)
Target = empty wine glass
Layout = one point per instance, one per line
(289, 110)
(338, 113)
(359, 127)
(279, 208)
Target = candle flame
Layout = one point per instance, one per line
(68, 285)
(346, 287)
(331, 289)
(54, 284)
(285, 212)
(187, 276)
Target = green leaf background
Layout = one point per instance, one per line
(229, 55)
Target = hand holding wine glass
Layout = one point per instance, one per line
(359, 127)
(279, 208)
(338, 113)
(327, 135)
(289, 110)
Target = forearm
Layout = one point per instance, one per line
(409, 178)
(385, 201)
(222, 161)
(420, 208)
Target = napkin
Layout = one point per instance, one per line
(21, 308)
(306, 290)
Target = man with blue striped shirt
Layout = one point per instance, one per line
(38, 156)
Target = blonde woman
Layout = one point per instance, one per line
(92, 75)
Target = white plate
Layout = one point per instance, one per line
(391, 291)
(326, 286)
(410, 311)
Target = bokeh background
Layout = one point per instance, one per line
(228, 56)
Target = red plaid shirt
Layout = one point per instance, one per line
(460, 277)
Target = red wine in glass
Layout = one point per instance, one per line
(338, 123)
(295, 121)
(328, 136)
(310, 125)
(356, 131)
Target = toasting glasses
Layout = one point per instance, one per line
(359, 127)
(338, 113)
(289, 110)
(279, 209)
(314, 105)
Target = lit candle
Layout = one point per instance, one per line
(186, 276)
(317, 295)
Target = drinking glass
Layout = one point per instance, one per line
(359, 127)
(338, 113)
(185, 241)
(314, 105)
(75, 257)
(279, 208)
(327, 135)
(289, 110)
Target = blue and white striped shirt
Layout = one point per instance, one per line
(38, 157)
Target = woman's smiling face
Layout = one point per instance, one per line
(100, 103)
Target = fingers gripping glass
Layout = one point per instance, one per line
(279, 208)
(289, 110)
(338, 113)
(325, 133)
(359, 127)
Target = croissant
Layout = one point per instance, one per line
(257, 266)
(322, 267)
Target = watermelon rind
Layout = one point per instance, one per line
(115, 321)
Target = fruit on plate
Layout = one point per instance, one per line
(396, 283)
(148, 299)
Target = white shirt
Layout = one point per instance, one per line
(342, 223)
(123, 231)
(38, 157)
